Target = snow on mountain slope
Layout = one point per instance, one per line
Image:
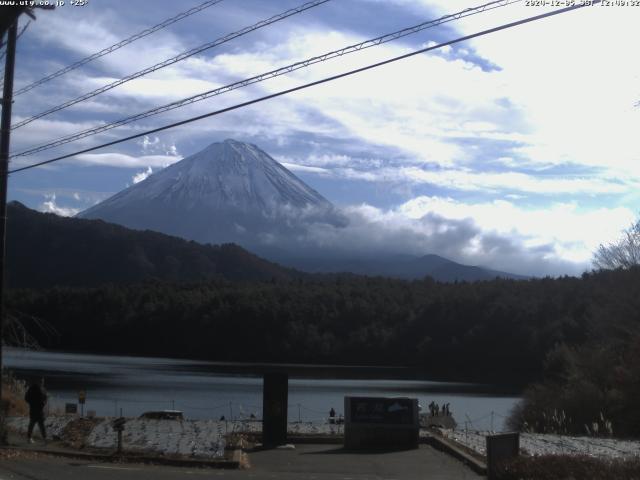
(227, 174)
(229, 192)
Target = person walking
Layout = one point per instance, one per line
(37, 399)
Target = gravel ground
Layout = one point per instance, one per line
(546, 444)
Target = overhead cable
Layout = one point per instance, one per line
(267, 75)
(120, 44)
(172, 60)
(311, 84)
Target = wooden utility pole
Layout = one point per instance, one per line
(9, 24)
(9, 16)
(5, 135)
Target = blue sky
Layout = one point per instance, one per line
(517, 151)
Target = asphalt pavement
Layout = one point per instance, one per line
(305, 462)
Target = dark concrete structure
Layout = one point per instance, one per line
(500, 448)
(379, 422)
(274, 408)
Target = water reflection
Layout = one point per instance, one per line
(210, 390)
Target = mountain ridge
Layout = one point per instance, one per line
(44, 249)
(408, 267)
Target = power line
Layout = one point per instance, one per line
(265, 76)
(177, 58)
(311, 84)
(119, 45)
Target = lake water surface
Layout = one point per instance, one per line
(133, 385)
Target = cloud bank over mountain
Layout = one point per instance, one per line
(501, 134)
(235, 192)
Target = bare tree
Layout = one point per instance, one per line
(20, 329)
(622, 253)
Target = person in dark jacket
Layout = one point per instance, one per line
(37, 399)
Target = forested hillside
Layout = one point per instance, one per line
(496, 331)
(44, 249)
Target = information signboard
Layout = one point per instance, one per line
(381, 422)
(390, 411)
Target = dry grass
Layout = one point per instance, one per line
(12, 403)
(76, 432)
(13, 391)
(569, 467)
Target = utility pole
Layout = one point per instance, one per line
(10, 14)
(5, 135)
(9, 24)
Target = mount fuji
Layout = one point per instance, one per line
(228, 192)
(234, 192)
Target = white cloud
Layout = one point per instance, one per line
(500, 235)
(84, 196)
(50, 206)
(324, 163)
(140, 176)
(370, 231)
(100, 29)
(43, 131)
(330, 160)
(568, 229)
(149, 143)
(471, 181)
(172, 150)
(305, 168)
(580, 110)
(154, 145)
(496, 182)
(126, 161)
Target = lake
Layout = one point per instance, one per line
(133, 385)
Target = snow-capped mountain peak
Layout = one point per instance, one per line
(225, 174)
(229, 185)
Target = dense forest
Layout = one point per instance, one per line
(500, 331)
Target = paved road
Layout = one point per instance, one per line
(306, 462)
